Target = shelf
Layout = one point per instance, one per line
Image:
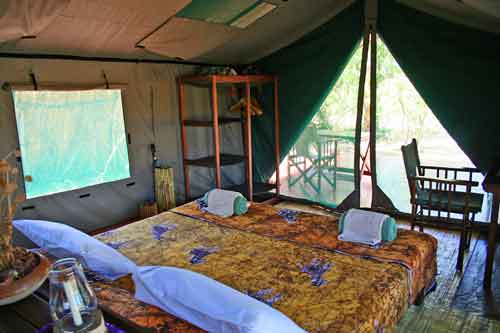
(258, 188)
(209, 123)
(209, 161)
(206, 80)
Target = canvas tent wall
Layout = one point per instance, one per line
(84, 28)
(151, 116)
(453, 66)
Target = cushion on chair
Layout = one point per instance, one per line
(440, 200)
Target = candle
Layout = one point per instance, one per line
(69, 290)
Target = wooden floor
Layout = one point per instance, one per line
(459, 304)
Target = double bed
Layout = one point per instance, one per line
(287, 259)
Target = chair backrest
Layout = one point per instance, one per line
(411, 161)
(305, 142)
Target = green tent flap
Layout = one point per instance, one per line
(307, 71)
(456, 69)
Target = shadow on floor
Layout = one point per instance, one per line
(471, 296)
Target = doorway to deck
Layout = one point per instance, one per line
(320, 165)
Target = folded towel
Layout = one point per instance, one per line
(389, 228)
(361, 226)
(225, 203)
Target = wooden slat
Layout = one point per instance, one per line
(11, 322)
(32, 309)
(209, 123)
(248, 140)
(206, 80)
(210, 162)
(215, 119)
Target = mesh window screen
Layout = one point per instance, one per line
(70, 139)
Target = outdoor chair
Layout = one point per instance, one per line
(313, 157)
(443, 196)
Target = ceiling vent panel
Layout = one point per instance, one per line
(239, 13)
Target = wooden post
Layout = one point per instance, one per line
(215, 116)
(248, 139)
(277, 136)
(182, 118)
(359, 116)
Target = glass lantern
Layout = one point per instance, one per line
(72, 303)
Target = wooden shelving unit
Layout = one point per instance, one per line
(218, 159)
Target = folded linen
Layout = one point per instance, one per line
(361, 226)
(225, 203)
(198, 299)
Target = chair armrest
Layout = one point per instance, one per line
(463, 169)
(457, 182)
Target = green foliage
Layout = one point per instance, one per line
(401, 112)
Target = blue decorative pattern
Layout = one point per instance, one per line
(118, 245)
(202, 204)
(265, 296)
(47, 328)
(108, 233)
(289, 215)
(316, 270)
(198, 254)
(159, 229)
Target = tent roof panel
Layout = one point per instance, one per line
(112, 28)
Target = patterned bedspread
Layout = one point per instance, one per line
(414, 250)
(320, 290)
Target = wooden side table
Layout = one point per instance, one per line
(32, 313)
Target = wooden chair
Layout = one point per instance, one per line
(445, 197)
(313, 157)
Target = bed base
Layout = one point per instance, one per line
(421, 297)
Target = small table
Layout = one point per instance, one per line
(32, 313)
(491, 184)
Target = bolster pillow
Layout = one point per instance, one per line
(389, 228)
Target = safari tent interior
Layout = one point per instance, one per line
(249, 166)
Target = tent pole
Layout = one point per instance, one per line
(354, 199)
(379, 198)
(277, 147)
(359, 116)
(105, 59)
(373, 110)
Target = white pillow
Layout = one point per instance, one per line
(193, 297)
(207, 303)
(61, 241)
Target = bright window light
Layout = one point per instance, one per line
(70, 139)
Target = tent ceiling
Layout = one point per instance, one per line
(112, 28)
